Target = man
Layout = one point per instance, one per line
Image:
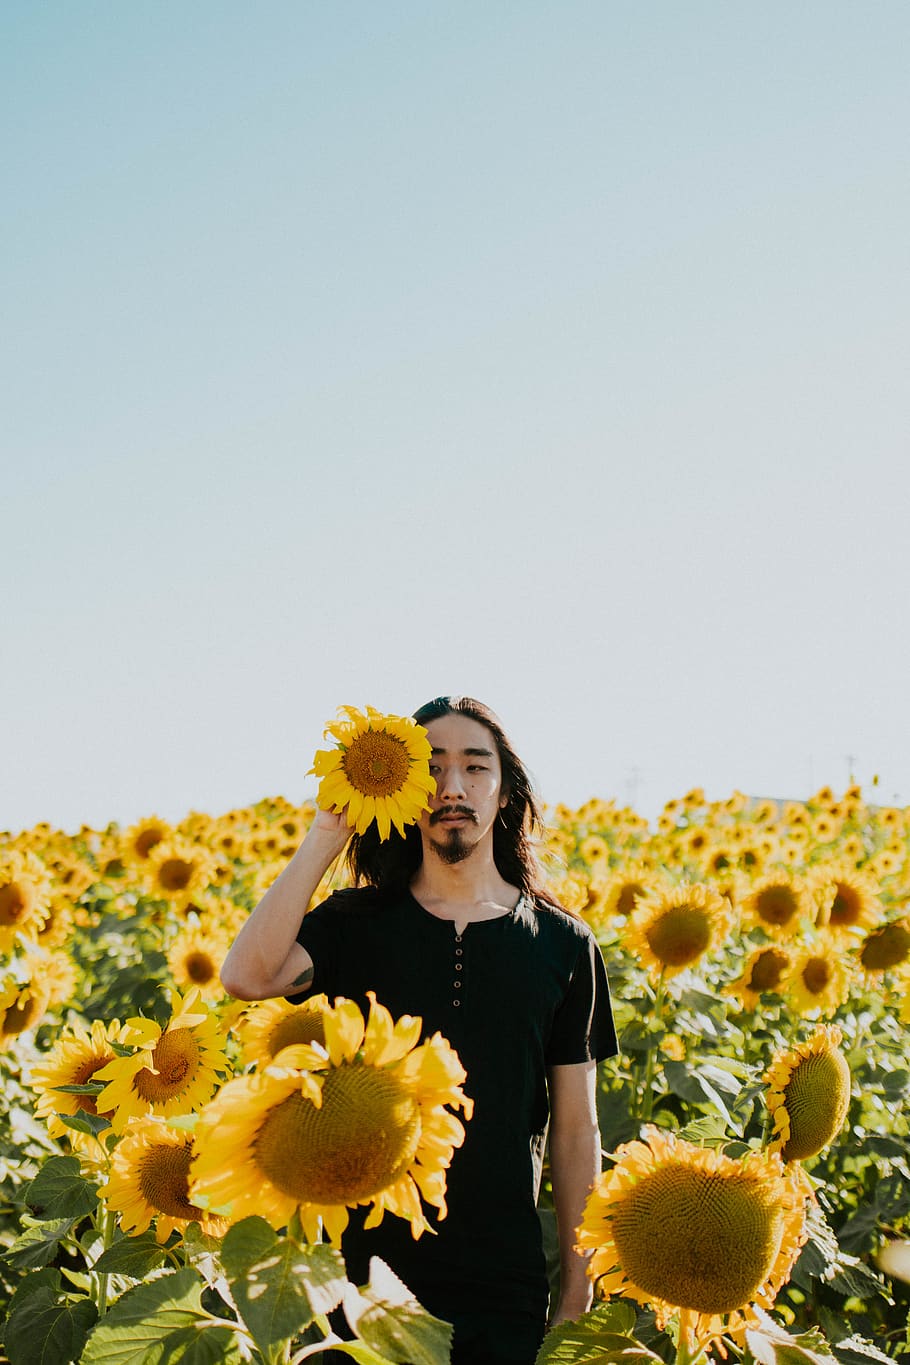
(449, 923)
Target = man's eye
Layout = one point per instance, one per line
(476, 768)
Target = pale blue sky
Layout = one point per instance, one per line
(555, 353)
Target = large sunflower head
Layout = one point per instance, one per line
(149, 1179)
(25, 891)
(171, 1070)
(675, 927)
(779, 902)
(688, 1228)
(268, 1026)
(360, 1120)
(75, 1059)
(808, 1095)
(379, 770)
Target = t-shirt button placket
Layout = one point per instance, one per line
(456, 984)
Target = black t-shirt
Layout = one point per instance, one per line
(513, 995)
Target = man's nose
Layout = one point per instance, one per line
(452, 786)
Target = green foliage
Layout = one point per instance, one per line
(279, 1285)
(43, 1326)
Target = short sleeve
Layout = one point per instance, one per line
(319, 934)
(583, 1028)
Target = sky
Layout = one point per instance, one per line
(552, 353)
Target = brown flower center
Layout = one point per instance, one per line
(304, 1027)
(176, 1060)
(164, 1180)
(847, 906)
(816, 975)
(360, 1141)
(816, 1096)
(175, 874)
(679, 935)
(200, 967)
(776, 905)
(767, 970)
(377, 763)
(13, 903)
(698, 1239)
(887, 947)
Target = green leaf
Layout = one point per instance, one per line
(708, 1129)
(771, 1345)
(132, 1256)
(91, 1088)
(41, 1331)
(147, 1317)
(38, 1244)
(93, 1124)
(387, 1318)
(894, 1083)
(696, 1087)
(204, 1343)
(59, 1191)
(602, 1335)
(857, 1351)
(279, 1285)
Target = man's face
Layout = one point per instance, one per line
(465, 764)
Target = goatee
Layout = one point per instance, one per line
(454, 850)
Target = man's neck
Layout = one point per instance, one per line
(471, 889)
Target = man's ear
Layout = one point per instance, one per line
(504, 798)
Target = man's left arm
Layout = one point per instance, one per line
(574, 1166)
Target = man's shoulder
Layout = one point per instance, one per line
(352, 900)
(550, 918)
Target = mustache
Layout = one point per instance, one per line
(440, 814)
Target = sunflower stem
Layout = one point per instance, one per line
(108, 1226)
(647, 1096)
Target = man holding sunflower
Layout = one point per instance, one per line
(448, 921)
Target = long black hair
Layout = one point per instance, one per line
(390, 864)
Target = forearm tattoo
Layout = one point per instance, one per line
(304, 979)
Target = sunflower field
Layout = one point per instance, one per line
(755, 1195)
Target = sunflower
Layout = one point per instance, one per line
(674, 927)
(60, 977)
(75, 1058)
(270, 1025)
(195, 959)
(626, 888)
(818, 977)
(778, 902)
(149, 1178)
(138, 841)
(595, 851)
(689, 1228)
(177, 870)
(173, 1070)
(25, 889)
(58, 926)
(808, 1095)
(847, 898)
(886, 947)
(22, 1006)
(765, 970)
(378, 770)
(358, 1121)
